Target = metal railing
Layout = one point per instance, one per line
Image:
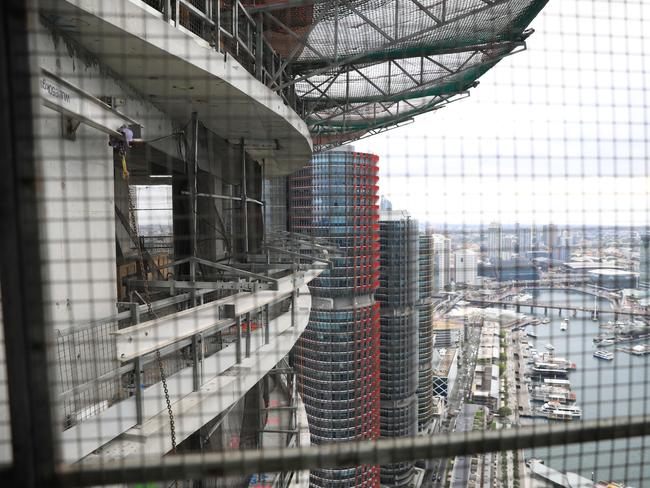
(156, 242)
(231, 30)
(90, 377)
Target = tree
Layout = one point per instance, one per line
(504, 411)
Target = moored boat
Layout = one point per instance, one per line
(557, 411)
(602, 354)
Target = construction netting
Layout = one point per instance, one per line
(359, 66)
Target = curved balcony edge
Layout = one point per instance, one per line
(226, 381)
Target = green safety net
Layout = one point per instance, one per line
(359, 66)
(378, 29)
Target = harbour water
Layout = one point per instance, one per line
(604, 389)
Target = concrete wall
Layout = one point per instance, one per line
(77, 195)
(81, 183)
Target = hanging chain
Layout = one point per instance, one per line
(147, 295)
(163, 380)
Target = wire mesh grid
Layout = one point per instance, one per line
(205, 284)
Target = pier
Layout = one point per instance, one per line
(557, 478)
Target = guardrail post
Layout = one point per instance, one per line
(196, 380)
(267, 321)
(217, 20)
(248, 334)
(167, 14)
(137, 379)
(259, 46)
(135, 313)
(238, 340)
(139, 409)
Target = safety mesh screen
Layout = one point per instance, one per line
(254, 243)
(391, 27)
(360, 58)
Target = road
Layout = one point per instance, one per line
(464, 423)
(456, 402)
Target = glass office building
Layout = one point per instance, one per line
(397, 295)
(425, 304)
(337, 358)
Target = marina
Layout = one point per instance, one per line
(576, 344)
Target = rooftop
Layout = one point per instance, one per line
(446, 362)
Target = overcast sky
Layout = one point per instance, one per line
(558, 133)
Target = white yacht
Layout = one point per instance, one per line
(602, 354)
(558, 411)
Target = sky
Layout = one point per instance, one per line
(557, 133)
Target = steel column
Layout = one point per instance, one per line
(25, 327)
(244, 196)
(192, 168)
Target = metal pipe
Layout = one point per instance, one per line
(349, 454)
(224, 197)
